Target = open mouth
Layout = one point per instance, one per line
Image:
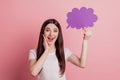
(50, 39)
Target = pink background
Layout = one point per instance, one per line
(20, 22)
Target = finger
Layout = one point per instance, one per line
(45, 40)
(44, 37)
(85, 29)
(88, 33)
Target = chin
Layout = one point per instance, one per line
(51, 43)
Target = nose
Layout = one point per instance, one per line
(51, 33)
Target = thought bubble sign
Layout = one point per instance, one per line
(81, 18)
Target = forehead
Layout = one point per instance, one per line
(52, 26)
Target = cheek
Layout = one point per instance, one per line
(56, 36)
(46, 33)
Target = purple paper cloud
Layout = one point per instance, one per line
(81, 18)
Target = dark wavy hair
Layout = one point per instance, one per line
(58, 44)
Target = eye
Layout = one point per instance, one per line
(55, 30)
(47, 30)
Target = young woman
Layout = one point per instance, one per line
(48, 61)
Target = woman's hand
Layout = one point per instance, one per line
(87, 33)
(45, 44)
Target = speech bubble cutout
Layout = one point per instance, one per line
(81, 18)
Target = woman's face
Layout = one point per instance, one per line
(51, 33)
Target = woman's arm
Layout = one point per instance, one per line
(81, 61)
(36, 66)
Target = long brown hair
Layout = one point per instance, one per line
(58, 44)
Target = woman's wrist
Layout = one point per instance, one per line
(47, 50)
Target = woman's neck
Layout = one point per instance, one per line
(52, 48)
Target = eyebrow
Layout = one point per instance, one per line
(55, 28)
(49, 28)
